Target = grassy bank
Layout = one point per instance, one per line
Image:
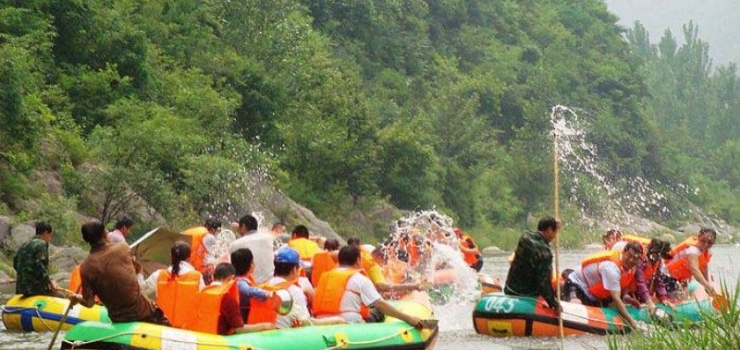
(718, 332)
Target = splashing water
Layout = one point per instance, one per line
(599, 192)
(456, 285)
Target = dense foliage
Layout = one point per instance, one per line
(185, 104)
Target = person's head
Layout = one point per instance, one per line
(657, 249)
(224, 272)
(631, 254)
(243, 261)
(549, 227)
(247, 223)
(610, 237)
(355, 241)
(331, 244)
(707, 237)
(458, 232)
(213, 225)
(287, 262)
(180, 251)
(93, 232)
(278, 228)
(43, 231)
(349, 255)
(379, 254)
(124, 225)
(300, 231)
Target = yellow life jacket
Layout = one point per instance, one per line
(305, 247)
(637, 239)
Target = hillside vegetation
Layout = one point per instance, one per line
(182, 106)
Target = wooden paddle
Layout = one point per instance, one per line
(556, 200)
(59, 327)
(720, 302)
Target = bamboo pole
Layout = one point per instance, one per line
(556, 200)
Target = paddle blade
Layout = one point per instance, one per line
(152, 250)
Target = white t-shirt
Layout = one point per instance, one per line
(150, 284)
(210, 246)
(116, 236)
(604, 272)
(260, 243)
(360, 290)
(619, 245)
(690, 250)
(300, 305)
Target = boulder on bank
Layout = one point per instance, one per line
(19, 235)
(5, 225)
(492, 251)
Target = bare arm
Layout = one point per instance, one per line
(258, 327)
(698, 274)
(622, 309)
(79, 299)
(384, 287)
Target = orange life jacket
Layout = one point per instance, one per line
(597, 289)
(330, 291)
(470, 258)
(176, 296)
(75, 280)
(266, 311)
(305, 247)
(679, 267)
(207, 307)
(649, 271)
(395, 270)
(198, 252)
(244, 309)
(322, 262)
(414, 253)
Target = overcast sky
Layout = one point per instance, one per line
(718, 21)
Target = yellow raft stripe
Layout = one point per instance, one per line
(149, 337)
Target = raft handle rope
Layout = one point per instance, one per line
(78, 343)
(367, 342)
(538, 301)
(20, 310)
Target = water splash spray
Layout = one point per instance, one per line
(444, 260)
(600, 192)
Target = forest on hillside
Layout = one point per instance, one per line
(345, 105)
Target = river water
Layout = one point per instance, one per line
(456, 325)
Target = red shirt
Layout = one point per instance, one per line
(230, 317)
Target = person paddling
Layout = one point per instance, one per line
(109, 272)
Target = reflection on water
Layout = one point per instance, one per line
(456, 327)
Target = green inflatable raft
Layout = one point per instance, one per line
(391, 334)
